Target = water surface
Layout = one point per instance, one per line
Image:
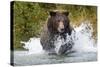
(22, 58)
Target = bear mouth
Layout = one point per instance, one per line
(61, 30)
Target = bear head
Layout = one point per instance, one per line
(58, 22)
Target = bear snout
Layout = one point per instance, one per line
(61, 27)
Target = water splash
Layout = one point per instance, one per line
(83, 41)
(33, 46)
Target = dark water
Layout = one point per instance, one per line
(22, 58)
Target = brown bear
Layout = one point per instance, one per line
(58, 24)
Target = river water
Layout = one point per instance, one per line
(84, 50)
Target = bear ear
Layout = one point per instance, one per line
(52, 13)
(66, 13)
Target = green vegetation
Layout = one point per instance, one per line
(29, 18)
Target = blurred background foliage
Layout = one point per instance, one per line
(30, 17)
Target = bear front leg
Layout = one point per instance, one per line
(65, 48)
